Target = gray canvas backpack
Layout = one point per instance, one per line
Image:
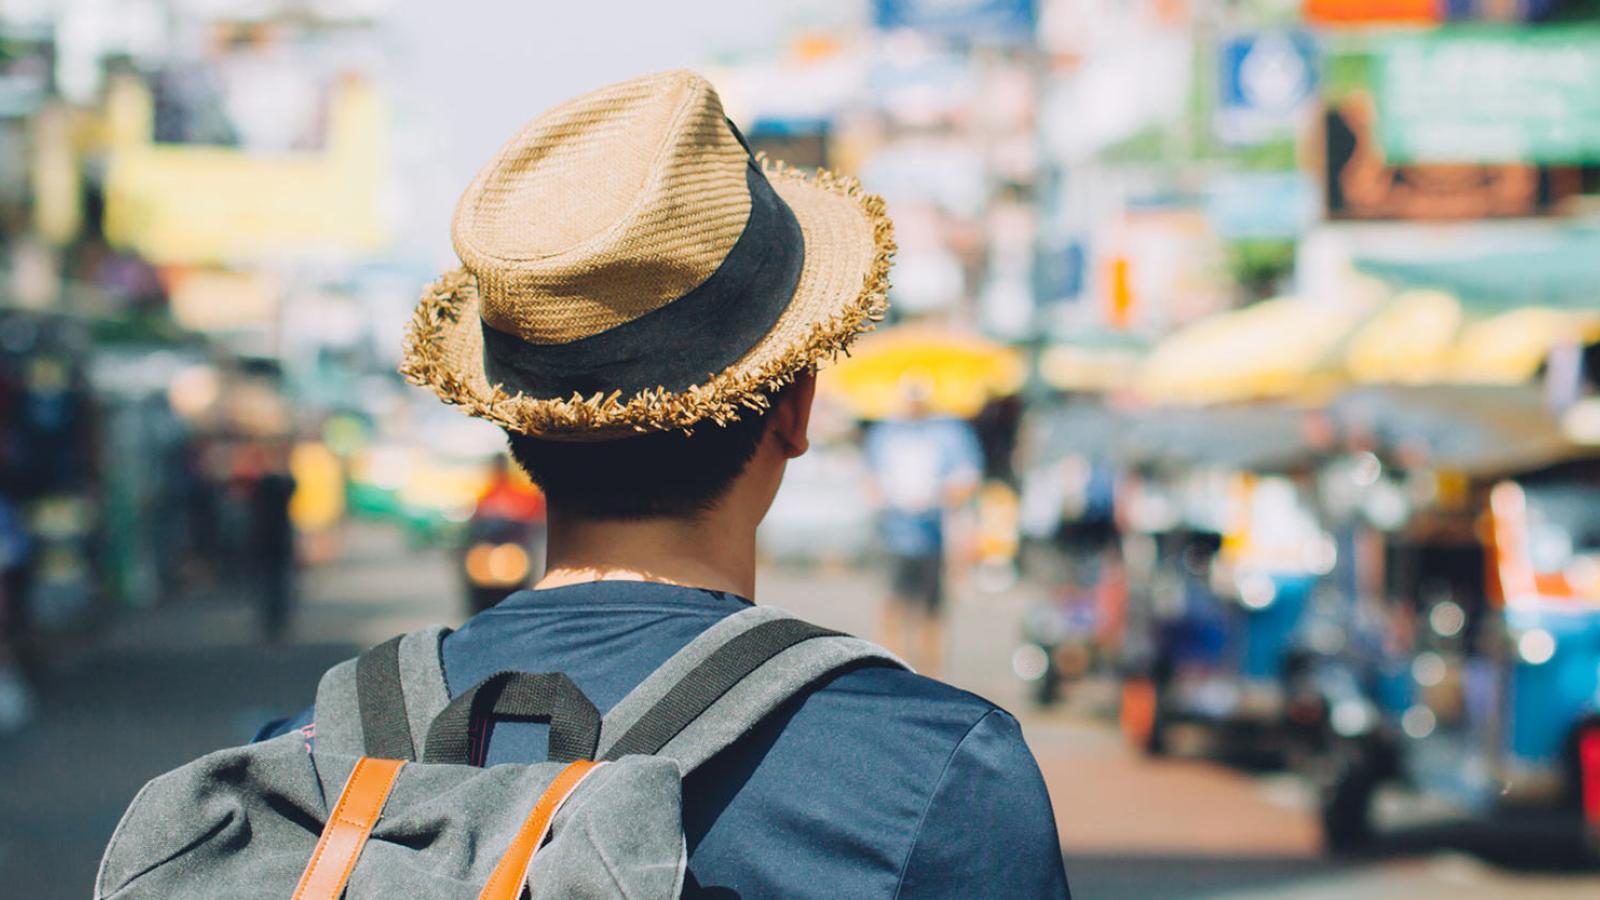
(362, 814)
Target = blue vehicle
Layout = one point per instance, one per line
(1496, 709)
(1224, 613)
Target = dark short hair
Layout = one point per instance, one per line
(666, 474)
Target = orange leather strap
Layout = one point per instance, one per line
(512, 870)
(348, 826)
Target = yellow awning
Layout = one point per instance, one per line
(1408, 341)
(1509, 348)
(1292, 348)
(1273, 349)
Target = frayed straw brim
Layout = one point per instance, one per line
(842, 292)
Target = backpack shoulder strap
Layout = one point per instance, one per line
(720, 686)
(382, 702)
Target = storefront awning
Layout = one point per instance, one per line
(1274, 349)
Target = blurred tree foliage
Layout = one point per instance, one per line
(1260, 266)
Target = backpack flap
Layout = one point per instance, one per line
(620, 836)
(245, 822)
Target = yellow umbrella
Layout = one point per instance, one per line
(1274, 348)
(959, 371)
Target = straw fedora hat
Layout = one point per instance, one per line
(628, 266)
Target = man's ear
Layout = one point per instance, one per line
(791, 415)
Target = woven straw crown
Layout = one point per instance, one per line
(607, 210)
(603, 209)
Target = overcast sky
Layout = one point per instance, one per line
(469, 73)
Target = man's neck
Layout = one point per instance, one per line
(714, 551)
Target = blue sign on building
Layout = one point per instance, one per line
(1265, 79)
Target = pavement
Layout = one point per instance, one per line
(166, 685)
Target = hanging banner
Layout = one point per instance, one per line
(1425, 12)
(1490, 96)
(1373, 12)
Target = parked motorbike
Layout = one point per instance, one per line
(1071, 631)
(498, 558)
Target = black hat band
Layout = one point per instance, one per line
(682, 343)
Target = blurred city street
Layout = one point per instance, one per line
(1234, 417)
(162, 688)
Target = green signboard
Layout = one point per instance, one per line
(1490, 95)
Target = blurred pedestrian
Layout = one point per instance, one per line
(642, 308)
(922, 466)
(271, 550)
(16, 697)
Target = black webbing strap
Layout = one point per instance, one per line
(385, 727)
(706, 683)
(459, 734)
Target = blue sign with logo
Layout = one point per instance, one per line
(974, 20)
(1265, 80)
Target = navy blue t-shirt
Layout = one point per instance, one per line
(879, 783)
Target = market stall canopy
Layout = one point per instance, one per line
(1482, 430)
(1274, 349)
(1257, 436)
(959, 371)
(1056, 429)
(1261, 437)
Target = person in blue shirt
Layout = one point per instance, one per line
(922, 465)
(649, 347)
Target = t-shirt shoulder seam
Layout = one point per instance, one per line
(952, 695)
(916, 834)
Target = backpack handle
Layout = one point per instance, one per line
(458, 734)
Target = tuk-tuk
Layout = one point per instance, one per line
(1498, 713)
(1222, 616)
